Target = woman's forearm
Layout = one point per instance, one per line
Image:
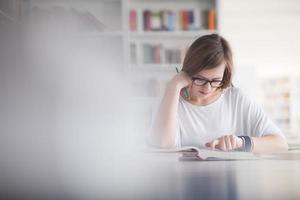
(164, 128)
(269, 144)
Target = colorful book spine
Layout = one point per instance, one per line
(164, 18)
(157, 54)
(184, 20)
(191, 20)
(147, 54)
(211, 19)
(132, 20)
(146, 20)
(171, 21)
(197, 19)
(155, 21)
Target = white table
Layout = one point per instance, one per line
(164, 177)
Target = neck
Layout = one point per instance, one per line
(206, 101)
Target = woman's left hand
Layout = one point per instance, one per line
(226, 143)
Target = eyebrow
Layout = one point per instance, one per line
(217, 78)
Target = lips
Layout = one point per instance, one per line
(204, 93)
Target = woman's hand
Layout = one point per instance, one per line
(226, 143)
(181, 80)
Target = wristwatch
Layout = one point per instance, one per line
(247, 143)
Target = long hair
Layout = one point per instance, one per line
(208, 52)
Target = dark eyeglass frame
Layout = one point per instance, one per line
(205, 81)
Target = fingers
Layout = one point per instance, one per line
(185, 77)
(212, 145)
(233, 141)
(227, 144)
(181, 79)
(224, 143)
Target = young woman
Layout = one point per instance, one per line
(202, 108)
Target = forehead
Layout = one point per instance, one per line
(216, 72)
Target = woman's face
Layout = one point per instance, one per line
(201, 88)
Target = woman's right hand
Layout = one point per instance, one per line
(181, 80)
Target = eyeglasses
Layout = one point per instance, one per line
(201, 82)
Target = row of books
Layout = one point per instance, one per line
(279, 109)
(169, 20)
(158, 54)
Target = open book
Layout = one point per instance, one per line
(195, 153)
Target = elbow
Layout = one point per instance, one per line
(166, 145)
(282, 145)
(158, 141)
(285, 146)
(163, 143)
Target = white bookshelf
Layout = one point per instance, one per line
(295, 107)
(166, 38)
(114, 15)
(182, 34)
(161, 72)
(281, 100)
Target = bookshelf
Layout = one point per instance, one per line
(295, 107)
(281, 100)
(152, 36)
(119, 24)
(161, 31)
(278, 89)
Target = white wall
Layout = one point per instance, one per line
(265, 38)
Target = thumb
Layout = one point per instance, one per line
(212, 144)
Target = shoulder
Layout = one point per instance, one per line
(237, 96)
(233, 92)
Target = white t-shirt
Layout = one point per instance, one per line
(232, 113)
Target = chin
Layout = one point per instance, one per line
(201, 94)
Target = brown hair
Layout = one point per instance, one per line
(208, 52)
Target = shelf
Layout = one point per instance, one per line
(169, 33)
(160, 31)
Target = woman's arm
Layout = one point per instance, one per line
(164, 128)
(269, 144)
(265, 144)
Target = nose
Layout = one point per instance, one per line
(207, 87)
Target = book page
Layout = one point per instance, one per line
(227, 155)
(207, 154)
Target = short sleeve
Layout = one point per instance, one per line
(260, 123)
